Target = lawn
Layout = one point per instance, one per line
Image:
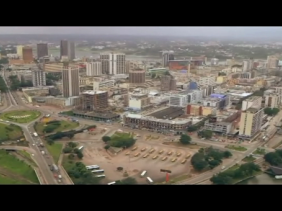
(63, 126)
(16, 166)
(27, 156)
(55, 150)
(249, 159)
(10, 132)
(7, 181)
(259, 151)
(238, 148)
(20, 116)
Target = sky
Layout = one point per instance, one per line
(165, 31)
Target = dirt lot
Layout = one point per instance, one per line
(94, 154)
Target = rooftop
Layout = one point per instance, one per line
(168, 113)
(252, 110)
(90, 92)
(252, 98)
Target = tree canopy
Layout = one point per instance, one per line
(205, 134)
(274, 158)
(185, 139)
(271, 111)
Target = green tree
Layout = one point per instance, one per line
(107, 147)
(221, 179)
(185, 139)
(106, 138)
(192, 128)
(67, 150)
(72, 144)
(273, 158)
(79, 154)
(227, 154)
(129, 181)
(206, 134)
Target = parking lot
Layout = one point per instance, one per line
(134, 161)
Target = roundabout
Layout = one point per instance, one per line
(20, 116)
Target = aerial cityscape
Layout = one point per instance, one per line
(115, 106)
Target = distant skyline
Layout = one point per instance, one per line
(263, 32)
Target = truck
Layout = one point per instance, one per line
(55, 168)
(35, 134)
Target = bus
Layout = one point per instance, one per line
(143, 173)
(111, 183)
(149, 180)
(80, 148)
(102, 175)
(92, 167)
(98, 171)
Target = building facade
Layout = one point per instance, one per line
(113, 63)
(103, 85)
(272, 100)
(63, 48)
(254, 101)
(93, 100)
(178, 100)
(167, 56)
(70, 78)
(27, 54)
(93, 68)
(71, 51)
(20, 51)
(251, 122)
(38, 78)
(42, 50)
(138, 101)
(207, 81)
(168, 83)
(137, 76)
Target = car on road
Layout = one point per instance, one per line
(169, 153)
(143, 149)
(173, 159)
(137, 154)
(127, 153)
(183, 161)
(178, 154)
(134, 148)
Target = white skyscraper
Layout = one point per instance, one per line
(113, 63)
(93, 68)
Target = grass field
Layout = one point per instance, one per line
(27, 156)
(63, 125)
(55, 150)
(10, 132)
(249, 159)
(7, 181)
(20, 116)
(118, 135)
(17, 167)
(238, 148)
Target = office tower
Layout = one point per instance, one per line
(92, 100)
(71, 51)
(137, 76)
(167, 56)
(113, 63)
(70, 78)
(168, 83)
(42, 50)
(250, 122)
(20, 51)
(63, 48)
(93, 68)
(38, 78)
(27, 54)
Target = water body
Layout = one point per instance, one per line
(262, 179)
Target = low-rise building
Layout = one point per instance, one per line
(138, 101)
(178, 100)
(60, 102)
(103, 84)
(200, 110)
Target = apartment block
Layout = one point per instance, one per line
(27, 54)
(103, 84)
(200, 110)
(42, 50)
(93, 68)
(251, 122)
(38, 78)
(70, 78)
(272, 100)
(207, 81)
(137, 76)
(113, 63)
(138, 101)
(168, 83)
(194, 96)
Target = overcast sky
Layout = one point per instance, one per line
(168, 31)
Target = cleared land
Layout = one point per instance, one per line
(60, 126)
(20, 116)
(15, 171)
(10, 132)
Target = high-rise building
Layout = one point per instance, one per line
(70, 78)
(42, 50)
(272, 100)
(71, 51)
(272, 62)
(250, 122)
(168, 83)
(38, 78)
(167, 56)
(92, 100)
(64, 48)
(27, 54)
(137, 76)
(93, 68)
(113, 63)
(20, 51)
(254, 101)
